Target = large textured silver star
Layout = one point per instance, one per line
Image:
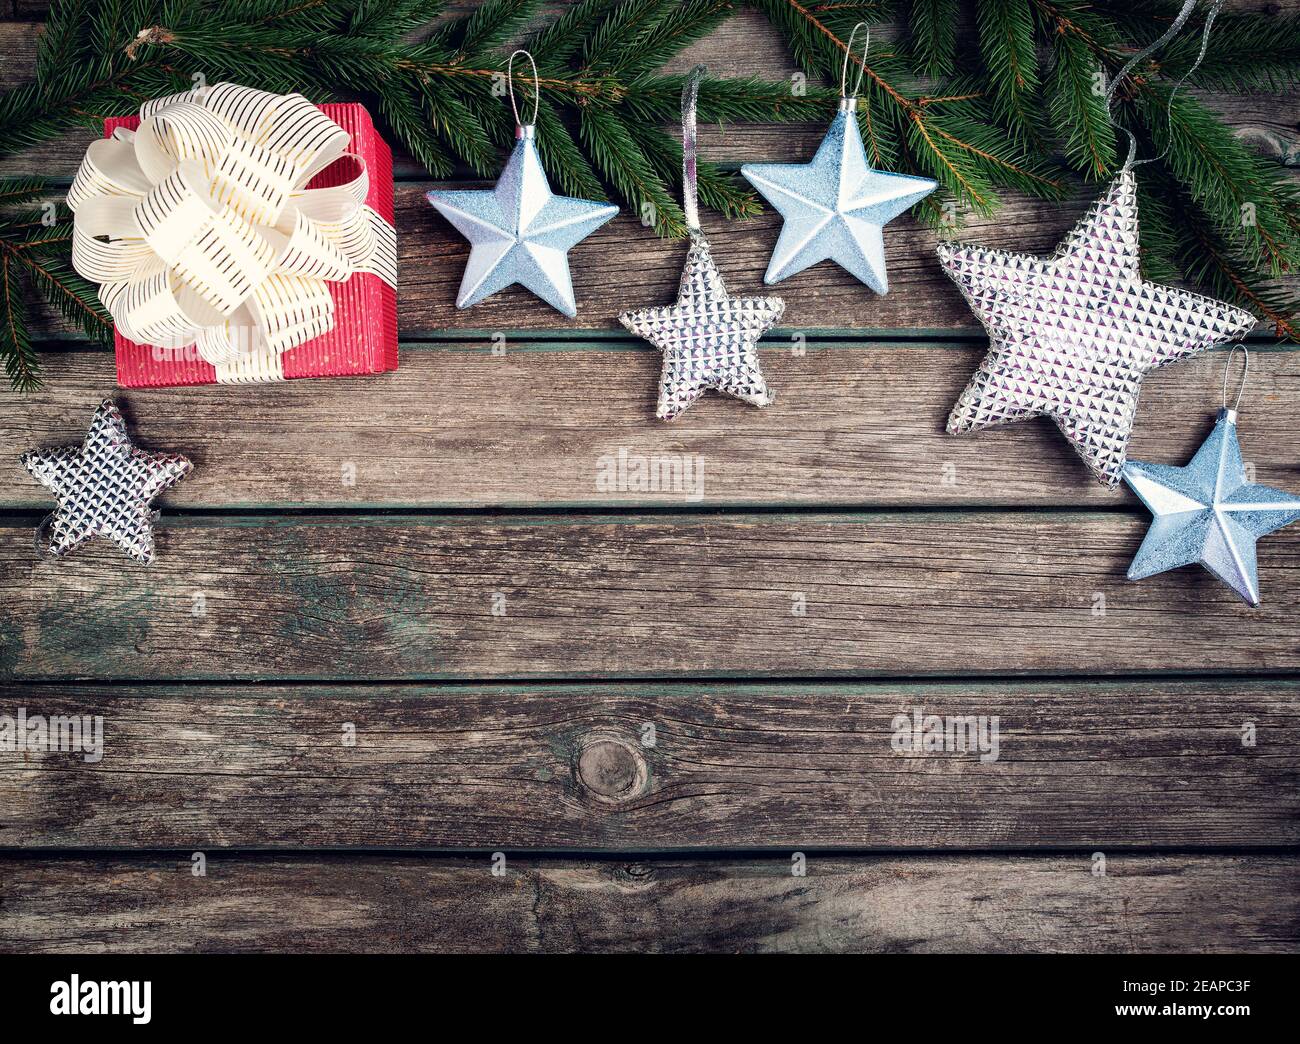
(836, 206)
(1072, 335)
(105, 486)
(520, 232)
(1207, 512)
(708, 340)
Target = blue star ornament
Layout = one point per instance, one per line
(835, 207)
(519, 231)
(1207, 512)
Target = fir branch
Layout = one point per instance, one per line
(1078, 107)
(20, 360)
(401, 112)
(621, 160)
(553, 45)
(76, 299)
(378, 18)
(717, 190)
(1248, 50)
(33, 255)
(1203, 256)
(739, 100)
(561, 153)
(458, 125)
(1247, 199)
(681, 25)
(493, 23)
(1006, 31)
(934, 35)
(18, 190)
(619, 34)
(488, 26)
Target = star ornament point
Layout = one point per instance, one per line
(835, 207)
(1208, 513)
(105, 487)
(1072, 335)
(708, 339)
(520, 232)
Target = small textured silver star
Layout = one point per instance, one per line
(1207, 512)
(836, 206)
(1072, 335)
(104, 486)
(520, 232)
(708, 340)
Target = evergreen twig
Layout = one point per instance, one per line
(1015, 110)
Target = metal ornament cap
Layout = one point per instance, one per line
(105, 487)
(519, 231)
(1072, 335)
(1206, 512)
(835, 207)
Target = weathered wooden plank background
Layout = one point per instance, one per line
(874, 904)
(381, 596)
(1133, 765)
(398, 625)
(858, 424)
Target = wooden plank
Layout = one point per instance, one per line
(456, 426)
(399, 597)
(985, 904)
(652, 766)
(624, 265)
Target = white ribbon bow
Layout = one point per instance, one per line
(200, 231)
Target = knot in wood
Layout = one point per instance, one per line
(611, 768)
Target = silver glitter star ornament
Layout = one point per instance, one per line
(708, 338)
(519, 231)
(1208, 512)
(104, 487)
(1072, 335)
(836, 206)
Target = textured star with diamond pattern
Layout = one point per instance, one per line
(1072, 335)
(708, 340)
(105, 486)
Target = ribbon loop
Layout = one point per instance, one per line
(200, 230)
(690, 149)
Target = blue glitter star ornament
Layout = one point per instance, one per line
(1207, 512)
(519, 231)
(835, 208)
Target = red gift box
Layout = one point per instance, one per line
(364, 337)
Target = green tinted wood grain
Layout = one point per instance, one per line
(387, 596)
